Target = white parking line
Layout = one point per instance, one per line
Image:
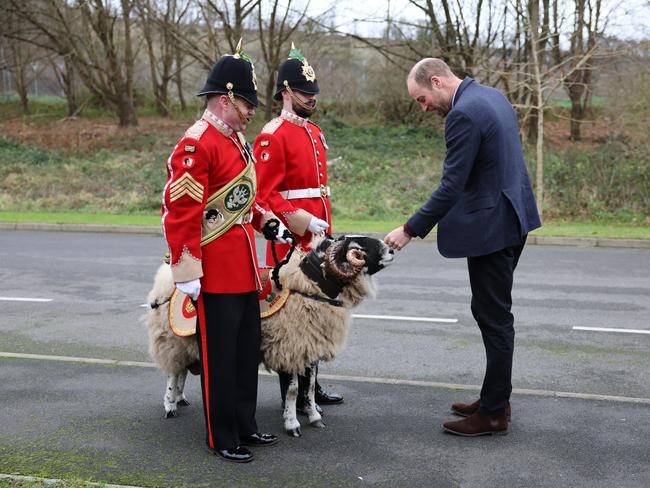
(440, 320)
(72, 359)
(360, 379)
(389, 317)
(610, 329)
(405, 319)
(19, 299)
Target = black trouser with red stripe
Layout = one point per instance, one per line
(491, 278)
(229, 345)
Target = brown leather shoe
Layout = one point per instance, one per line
(466, 409)
(479, 424)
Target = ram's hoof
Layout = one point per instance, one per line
(170, 414)
(294, 432)
(183, 403)
(318, 423)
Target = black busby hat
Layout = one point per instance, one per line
(296, 73)
(233, 74)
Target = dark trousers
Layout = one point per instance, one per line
(491, 278)
(229, 345)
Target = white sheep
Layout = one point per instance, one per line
(172, 354)
(312, 325)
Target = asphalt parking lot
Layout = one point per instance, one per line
(80, 398)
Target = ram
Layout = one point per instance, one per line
(318, 291)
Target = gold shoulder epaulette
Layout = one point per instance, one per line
(197, 130)
(272, 125)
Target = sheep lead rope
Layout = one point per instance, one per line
(275, 275)
(155, 303)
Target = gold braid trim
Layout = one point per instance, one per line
(231, 97)
(297, 100)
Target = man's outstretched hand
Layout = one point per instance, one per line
(397, 239)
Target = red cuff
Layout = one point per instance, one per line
(408, 231)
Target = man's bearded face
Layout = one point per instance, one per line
(309, 100)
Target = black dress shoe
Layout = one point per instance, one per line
(258, 439)
(235, 454)
(325, 398)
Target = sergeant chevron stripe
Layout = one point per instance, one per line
(186, 185)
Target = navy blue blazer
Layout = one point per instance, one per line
(485, 202)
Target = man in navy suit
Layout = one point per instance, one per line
(484, 209)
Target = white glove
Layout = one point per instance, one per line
(190, 288)
(283, 236)
(317, 226)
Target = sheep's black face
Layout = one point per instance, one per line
(376, 254)
(333, 263)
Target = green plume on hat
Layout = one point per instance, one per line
(295, 53)
(240, 54)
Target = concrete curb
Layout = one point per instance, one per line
(118, 229)
(156, 230)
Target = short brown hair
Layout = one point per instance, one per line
(428, 67)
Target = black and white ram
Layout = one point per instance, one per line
(312, 326)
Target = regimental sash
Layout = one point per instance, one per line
(230, 205)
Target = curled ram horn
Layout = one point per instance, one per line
(338, 265)
(356, 259)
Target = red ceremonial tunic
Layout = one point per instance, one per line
(207, 157)
(291, 154)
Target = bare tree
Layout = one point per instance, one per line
(538, 79)
(232, 16)
(64, 70)
(587, 30)
(460, 35)
(274, 35)
(24, 60)
(210, 29)
(96, 36)
(19, 60)
(158, 20)
(178, 77)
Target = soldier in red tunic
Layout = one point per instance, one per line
(208, 205)
(292, 171)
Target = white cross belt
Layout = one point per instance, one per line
(323, 191)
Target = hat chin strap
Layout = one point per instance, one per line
(242, 117)
(295, 99)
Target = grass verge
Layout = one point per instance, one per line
(79, 218)
(560, 228)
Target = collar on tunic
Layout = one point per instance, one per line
(293, 118)
(218, 124)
